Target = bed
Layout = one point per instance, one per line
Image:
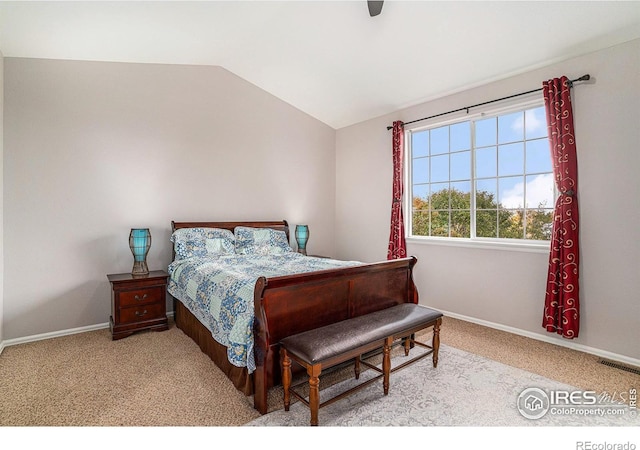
(277, 305)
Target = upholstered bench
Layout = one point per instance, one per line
(337, 343)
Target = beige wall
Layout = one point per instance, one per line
(94, 149)
(506, 288)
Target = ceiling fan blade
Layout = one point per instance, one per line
(375, 7)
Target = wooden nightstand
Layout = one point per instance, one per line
(138, 303)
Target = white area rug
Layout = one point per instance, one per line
(464, 390)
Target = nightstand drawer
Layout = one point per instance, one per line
(138, 303)
(141, 296)
(141, 313)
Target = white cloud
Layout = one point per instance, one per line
(534, 123)
(539, 192)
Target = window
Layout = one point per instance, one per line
(489, 177)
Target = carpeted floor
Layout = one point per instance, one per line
(147, 379)
(163, 379)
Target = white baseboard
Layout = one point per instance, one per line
(549, 339)
(55, 334)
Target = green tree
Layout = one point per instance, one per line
(448, 213)
(539, 223)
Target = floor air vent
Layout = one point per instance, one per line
(620, 366)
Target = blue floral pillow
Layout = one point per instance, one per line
(261, 241)
(202, 242)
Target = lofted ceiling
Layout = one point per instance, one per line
(329, 59)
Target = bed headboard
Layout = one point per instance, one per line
(276, 225)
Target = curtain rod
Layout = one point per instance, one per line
(466, 108)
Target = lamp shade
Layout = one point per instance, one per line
(139, 243)
(302, 236)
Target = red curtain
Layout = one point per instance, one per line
(397, 244)
(562, 305)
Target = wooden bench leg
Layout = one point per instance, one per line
(407, 345)
(286, 377)
(386, 363)
(314, 392)
(436, 341)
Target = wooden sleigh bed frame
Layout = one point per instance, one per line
(288, 305)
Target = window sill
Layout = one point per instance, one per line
(531, 247)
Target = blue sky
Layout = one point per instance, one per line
(507, 146)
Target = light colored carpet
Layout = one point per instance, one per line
(464, 390)
(163, 379)
(147, 379)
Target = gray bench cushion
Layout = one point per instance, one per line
(322, 343)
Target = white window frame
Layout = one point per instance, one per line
(506, 107)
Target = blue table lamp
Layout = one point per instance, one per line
(302, 236)
(139, 243)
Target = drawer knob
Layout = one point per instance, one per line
(138, 298)
(140, 314)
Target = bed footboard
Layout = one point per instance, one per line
(292, 304)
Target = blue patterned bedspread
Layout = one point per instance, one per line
(219, 292)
